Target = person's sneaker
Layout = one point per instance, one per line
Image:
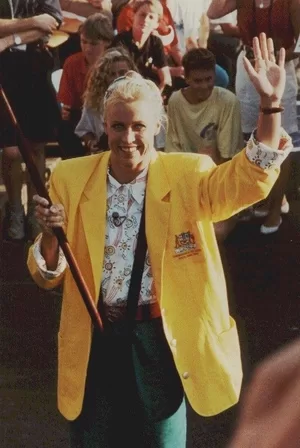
(15, 224)
(285, 208)
(265, 230)
(33, 229)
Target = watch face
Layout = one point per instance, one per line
(18, 40)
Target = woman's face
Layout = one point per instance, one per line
(131, 130)
(119, 68)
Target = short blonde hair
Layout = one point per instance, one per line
(156, 4)
(133, 87)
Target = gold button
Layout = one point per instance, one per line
(185, 375)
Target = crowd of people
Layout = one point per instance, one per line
(168, 115)
(193, 51)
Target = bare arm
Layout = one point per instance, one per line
(43, 22)
(50, 250)
(219, 8)
(204, 30)
(84, 9)
(164, 77)
(49, 218)
(269, 126)
(176, 54)
(263, 154)
(26, 37)
(11, 26)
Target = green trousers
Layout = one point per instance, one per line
(134, 396)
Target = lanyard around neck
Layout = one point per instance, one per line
(269, 32)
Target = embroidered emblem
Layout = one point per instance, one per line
(209, 132)
(185, 244)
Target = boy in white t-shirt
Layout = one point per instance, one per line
(203, 118)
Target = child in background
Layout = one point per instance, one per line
(96, 34)
(115, 63)
(166, 32)
(204, 118)
(146, 49)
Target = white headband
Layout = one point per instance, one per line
(136, 78)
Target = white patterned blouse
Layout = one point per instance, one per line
(120, 241)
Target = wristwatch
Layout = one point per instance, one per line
(17, 39)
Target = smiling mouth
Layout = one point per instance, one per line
(128, 149)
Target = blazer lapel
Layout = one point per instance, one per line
(157, 215)
(93, 215)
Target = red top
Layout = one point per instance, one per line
(73, 81)
(125, 19)
(281, 30)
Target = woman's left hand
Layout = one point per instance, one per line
(267, 76)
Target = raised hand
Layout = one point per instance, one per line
(267, 76)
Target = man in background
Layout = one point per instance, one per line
(25, 63)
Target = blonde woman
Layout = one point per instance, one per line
(115, 62)
(171, 333)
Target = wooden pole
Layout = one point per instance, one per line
(42, 191)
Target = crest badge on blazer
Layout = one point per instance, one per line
(185, 245)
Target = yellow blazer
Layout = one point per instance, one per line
(185, 194)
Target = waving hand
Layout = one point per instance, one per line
(267, 76)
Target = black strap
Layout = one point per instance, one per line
(137, 269)
(136, 276)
